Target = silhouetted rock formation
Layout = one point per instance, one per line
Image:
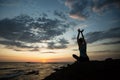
(92, 70)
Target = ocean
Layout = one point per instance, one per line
(27, 70)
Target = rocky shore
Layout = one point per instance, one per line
(108, 69)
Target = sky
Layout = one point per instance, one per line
(46, 30)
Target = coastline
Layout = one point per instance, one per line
(92, 70)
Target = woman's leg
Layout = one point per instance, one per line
(84, 59)
(76, 57)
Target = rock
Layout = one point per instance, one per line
(92, 70)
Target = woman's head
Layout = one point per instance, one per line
(81, 40)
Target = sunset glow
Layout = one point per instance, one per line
(46, 30)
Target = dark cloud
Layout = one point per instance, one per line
(44, 15)
(49, 52)
(60, 14)
(17, 50)
(106, 4)
(77, 8)
(62, 43)
(105, 51)
(94, 36)
(116, 42)
(13, 29)
(32, 49)
(26, 29)
(100, 35)
(15, 43)
(9, 2)
(80, 9)
(74, 37)
(52, 45)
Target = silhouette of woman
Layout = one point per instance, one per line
(82, 48)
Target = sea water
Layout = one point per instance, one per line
(18, 70)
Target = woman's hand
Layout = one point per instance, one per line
(82, 30)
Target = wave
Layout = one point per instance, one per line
(12, 75)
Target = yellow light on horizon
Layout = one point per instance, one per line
(44, 60)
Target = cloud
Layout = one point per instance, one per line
(17, 50)
(15, 29)
(94, 36)
(74, 49)
(49, 52)
(104, 5)
(31, 49)
(61, 44)
(9, 2)
(81, 9)
(61, 1)
(25, 29)
(15, 43)
(63, 41)
(44, 15)
(52, 45)
(105, 51)
(77, 8)
(60, 14)
(116, 42)
(100, 35)
(35, 49)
